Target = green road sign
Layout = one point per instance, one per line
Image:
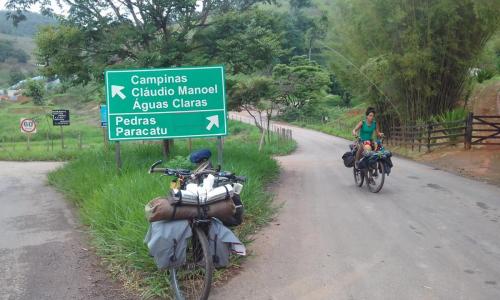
(166, 103)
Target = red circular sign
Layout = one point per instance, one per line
(28, 125)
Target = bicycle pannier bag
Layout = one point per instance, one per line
(348, 158)
(222, 242)
(167, 242)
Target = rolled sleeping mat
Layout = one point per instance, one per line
(161, 209)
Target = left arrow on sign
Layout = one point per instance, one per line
(117, 90)
(214, 120)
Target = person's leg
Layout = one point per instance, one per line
(359, 152)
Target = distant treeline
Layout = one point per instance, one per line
(29, 27)
(8, 51)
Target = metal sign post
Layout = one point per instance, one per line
(60, 117)
(219, 151)
(104, 123)
(28, 126)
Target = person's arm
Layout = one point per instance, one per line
(356, 129)
(377, 129)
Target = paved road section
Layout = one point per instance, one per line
(427, 235)
(43, 251)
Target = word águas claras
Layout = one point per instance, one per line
(162, 90)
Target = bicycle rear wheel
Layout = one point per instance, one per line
(375, 177)
(193, 280)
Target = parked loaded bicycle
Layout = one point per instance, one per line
(374, 164)
(188, 234)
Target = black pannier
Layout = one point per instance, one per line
(348, 158)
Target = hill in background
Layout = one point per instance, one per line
(27, 28)
(14, 40)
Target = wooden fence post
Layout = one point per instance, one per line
(468, 131)
(429, 132)
(413, 139)
(166, 149)
(419, 138)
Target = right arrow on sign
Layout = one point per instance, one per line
(117, 90)
(214, 120)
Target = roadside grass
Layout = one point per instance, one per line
(45, 144)
(340, 122)
(112, 205)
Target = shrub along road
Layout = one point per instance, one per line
(43, 253)
(427, 235)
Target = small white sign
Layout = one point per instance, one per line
(28, 125)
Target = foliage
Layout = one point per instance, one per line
(489, 59)
(15, 76)
(301, 83)
(101, 34)
(36, 90)
(7, 50)
(251, 92)
(450, 120)
(484, 75)
(27, 28)
(246, 42)
(457, 114)
(410, 58)
(60, 51)
(305, 26)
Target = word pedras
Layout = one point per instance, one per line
(137, 121)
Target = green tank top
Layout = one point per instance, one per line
(366, 132)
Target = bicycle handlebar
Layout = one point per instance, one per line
(189, 173)
(168, 171)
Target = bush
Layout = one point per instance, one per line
(484, 75)
(458, 114)
(36, 90)
(291, 114)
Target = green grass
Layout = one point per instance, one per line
(46, 143)
(112, 205)
(341, 121)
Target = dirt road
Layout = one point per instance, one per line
(43, 252)
(427, 235)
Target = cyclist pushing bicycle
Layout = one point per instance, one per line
(365, 130)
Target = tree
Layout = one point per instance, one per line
(60, 51)
(301, 82)
(411, 58)
(257, 96)
(8, 51)
(245, 42)
(36, 90)
(306, 24)
(124, 33)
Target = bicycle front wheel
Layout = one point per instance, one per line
(358, 176)
(193, 280)
(375, 177)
